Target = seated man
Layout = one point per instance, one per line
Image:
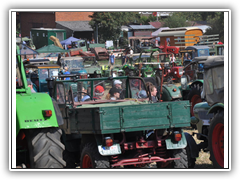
(98, 92)
(114, 93)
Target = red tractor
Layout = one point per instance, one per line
(169, 49)
(172, 72)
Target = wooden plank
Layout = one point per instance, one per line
(209, 35)
(207, 42)
(208, 39)
(186, 39)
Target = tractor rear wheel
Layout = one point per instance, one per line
(185, 160)
(45, 148)
(216, 140)
(90, 157)
(194, 97)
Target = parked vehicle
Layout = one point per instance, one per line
(193, 75)
(38, 137)
(172, 71)
(38, 71)
(192, 52)
(129, 132)
(209, 115)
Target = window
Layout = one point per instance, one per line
(208, 81)
(138, 91)
(203, 52)
(218, 77)
(60, 96)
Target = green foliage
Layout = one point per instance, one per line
(176, 20)
(109, 23)
(217, 25)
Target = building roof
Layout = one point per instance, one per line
(142, 27)
(76, 25)
(155, 33)
(156, 24)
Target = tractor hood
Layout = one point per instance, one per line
(29, 110)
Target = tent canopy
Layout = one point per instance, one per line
(51, 49)
(69, 40)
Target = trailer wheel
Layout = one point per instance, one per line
(183, 162)
(90, 157)
(216, 140)
(45, 148)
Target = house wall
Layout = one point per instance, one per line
(73, 16)
(36, 20)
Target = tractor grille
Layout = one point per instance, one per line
(180, 71)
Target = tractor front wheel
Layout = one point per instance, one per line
(194, 97)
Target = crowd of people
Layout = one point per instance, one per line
(117, 92)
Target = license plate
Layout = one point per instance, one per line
(112, 150)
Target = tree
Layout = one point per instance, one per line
(176, 20)
(217, 25)
(109, 23)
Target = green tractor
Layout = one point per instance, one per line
(153, 72)
(38, 136)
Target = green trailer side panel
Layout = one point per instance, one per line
(179, 111)
(145, 116)
(111, 116)
(29, 111)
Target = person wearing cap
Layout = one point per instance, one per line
(114, 93)
(98, 92)
(118, 84)
(112, 59)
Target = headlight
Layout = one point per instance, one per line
(184, 82)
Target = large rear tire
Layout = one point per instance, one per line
(216, 140)
(45, 148)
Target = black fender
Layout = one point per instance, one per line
(192, 145)
(57, 112)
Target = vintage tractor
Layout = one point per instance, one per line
(38, 136)
(192, 81)
(173, 71)
(131, 132)
(75, 66)
(38, 72)
(190, 52)
(153, 72)
(209, 115)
